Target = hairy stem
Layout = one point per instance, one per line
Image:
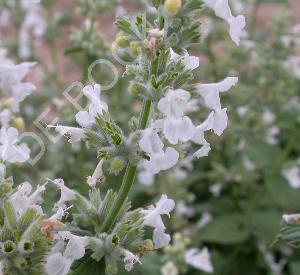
(129, 176)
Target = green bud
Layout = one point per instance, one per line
(9, 247)
(121, 41)
(117, 165)
(115, 240)
(103, 154)
(133, 88)
(7, 103)
(6, 186)
(172, 7)
(136, 88)
(135, 48)
(148, 246)
(26, 247)
(19, 123)
(111, 269)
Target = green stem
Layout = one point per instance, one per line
(129, 176)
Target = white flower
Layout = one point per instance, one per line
(60, 212)
(176, 126)
(205, 219)
(24, 199)
(96, 106)
(57, 264)
(198, 137)
(5, 117)
(181, 171)
(160, 238)
(271, 135)
(153, 146)
(32, 28)
(191, 62)
(293, 64)
(2, 172)
(9, 150)
(218, 119)
(130, 260)
(145, 176)
(222, 10)
(292, 218)
(207, 27)
(169, 269)
(66, 194)
(293, 176)
(216, 189)
(242, 111)
(275, 267)
(268, 117)
(75, 248)
(184, 210)
(211, 92)
(97, 175)
(11, 77)
(203, 151)
(199, 259)
(248, 164)
(152, 218)
(28, 4)
(73, 133)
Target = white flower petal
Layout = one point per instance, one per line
(75, 248)
(220, 121)
(160, 238)
(170, 158)
(203, 151)
(237, 24)
(57, 264)
(84, 119)
(199, 259)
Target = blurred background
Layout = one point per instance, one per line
(231, 201)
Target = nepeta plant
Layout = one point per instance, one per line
(95, 234)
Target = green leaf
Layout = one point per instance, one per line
(151, 265)
(294, 268)
(226, 229)
(282, 194)
(27, 218)
(266, 224)
(263, 155)
(10, 214)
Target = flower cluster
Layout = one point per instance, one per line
(101, 230)
(15, 90)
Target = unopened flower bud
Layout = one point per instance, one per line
(19, 123)
(148, 246)
(177, 237)
(153, 40)
(122, 41)
(135, 48)
(292, 219)
(26, 247)
(97, 176)
(9, 247)
(111, 269)
(7, 103)
(136, 88)
(117, 165)
(172, 7)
